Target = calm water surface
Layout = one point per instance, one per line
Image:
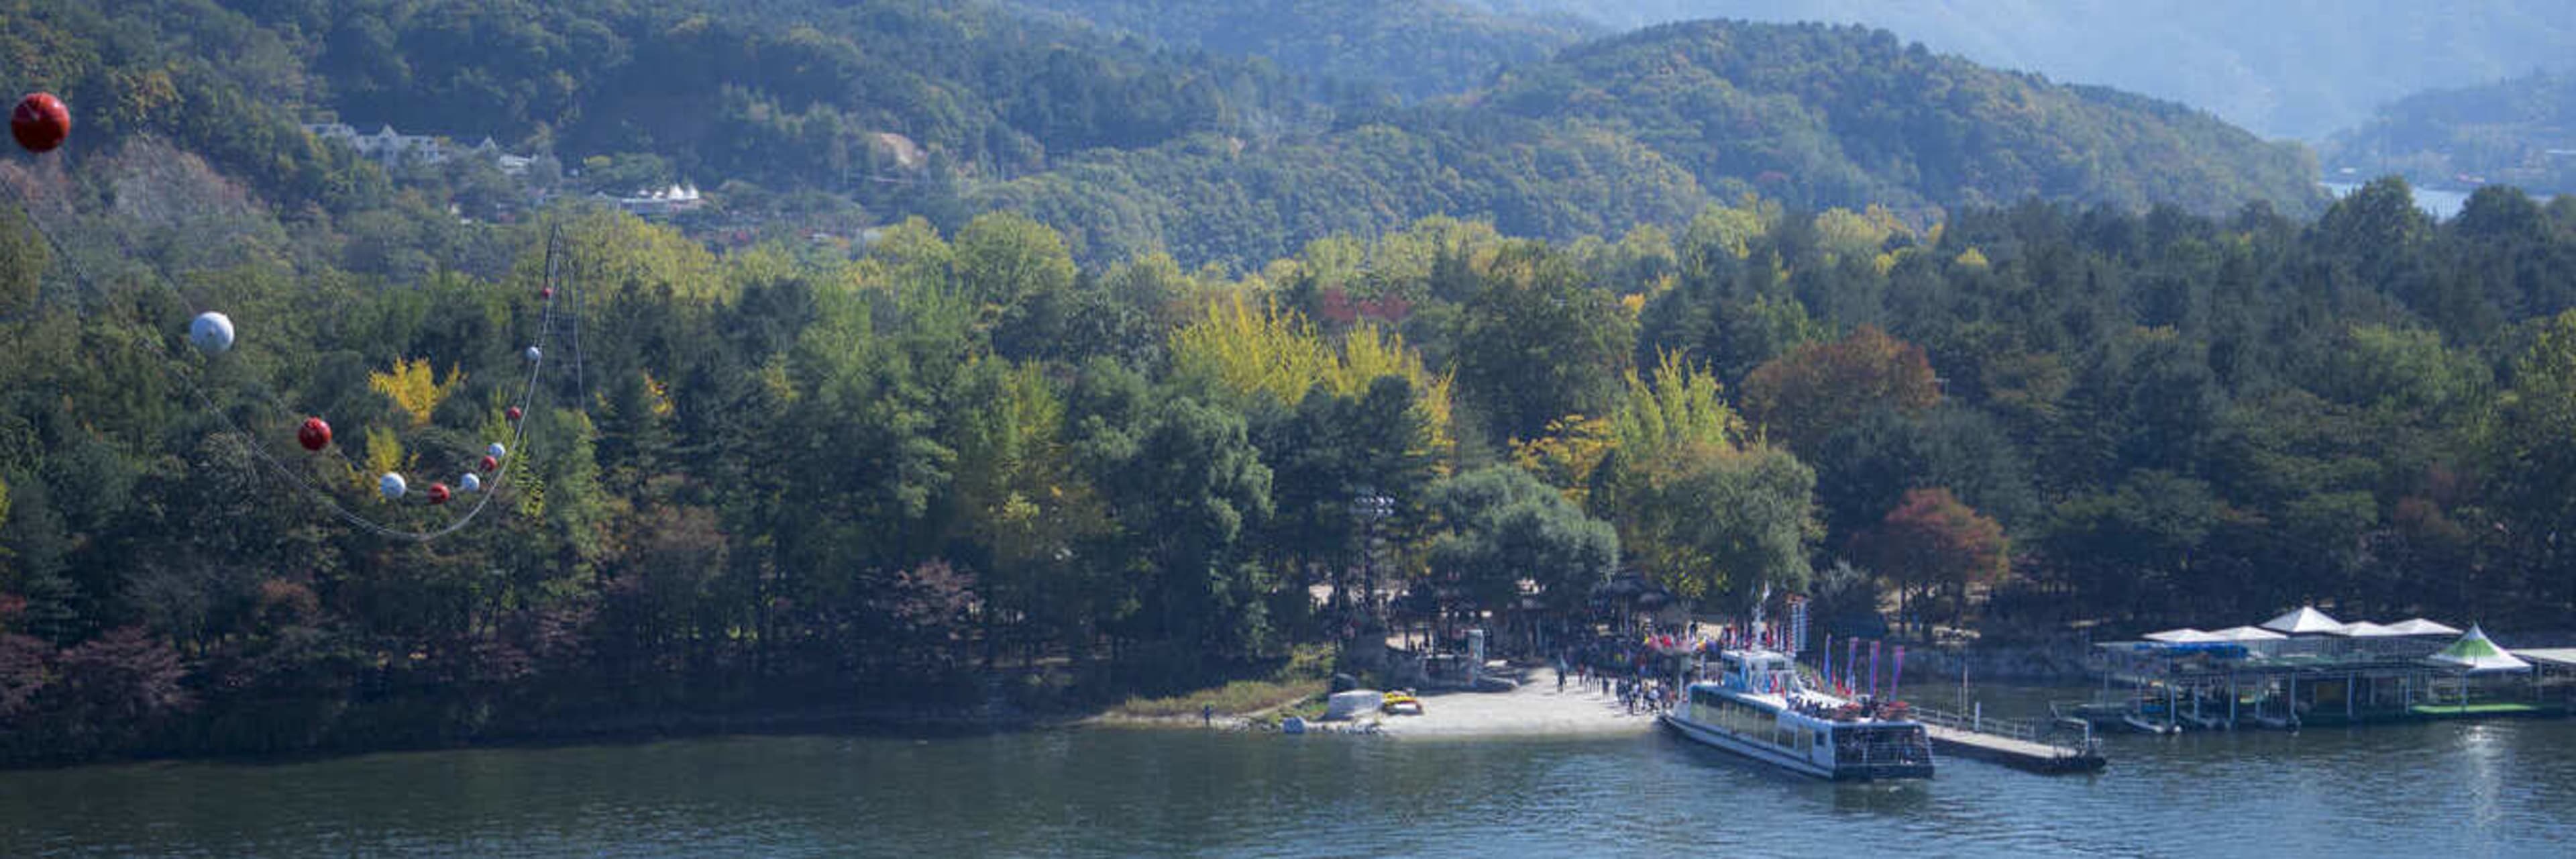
(2505, 788)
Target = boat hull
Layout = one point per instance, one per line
(1764, 753)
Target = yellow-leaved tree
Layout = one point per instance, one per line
(414, 388)
(384, 456)
(1698, 508)
(1253, 347)
(1568, 455)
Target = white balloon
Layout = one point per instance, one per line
(392, 485)
(533, 354)
(497, 451)
(211, 333)
(470, 483)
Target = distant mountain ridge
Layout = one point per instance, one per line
(2299, 69)
(873, 111)
(1844, 115)
(2519, 132)
(1635, 128)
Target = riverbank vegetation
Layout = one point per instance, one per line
(794, 475)
(1301, 678)
(966, 462)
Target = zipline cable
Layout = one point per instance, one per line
(513, 455)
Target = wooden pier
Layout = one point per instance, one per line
(2013, 743)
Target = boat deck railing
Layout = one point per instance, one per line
(2017, 729)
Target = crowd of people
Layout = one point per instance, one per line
(1621, 667)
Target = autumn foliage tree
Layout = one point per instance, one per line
(1932, 542)
(1698, 508)
(1801, 397)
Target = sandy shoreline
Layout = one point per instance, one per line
(1535, 709)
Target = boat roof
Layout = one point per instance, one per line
(1778, 701)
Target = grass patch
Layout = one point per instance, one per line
(1303, 679)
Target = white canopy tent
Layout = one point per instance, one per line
(2477, 655)
(2185, 635)
(2366, 629)
(2420, 626)
(2306, 620)
(2244, 634)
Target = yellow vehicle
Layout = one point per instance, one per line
(1402, 704)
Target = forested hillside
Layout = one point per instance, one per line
(792, 477)
(1848, 116)
(1414, 48)
(2519, 132)
(2300, 69)
(1626, 131)
(802, 116)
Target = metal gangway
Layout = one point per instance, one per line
(2018, 742)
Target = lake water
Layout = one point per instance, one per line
(2503, 788)
(2438, 203)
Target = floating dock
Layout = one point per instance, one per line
(2018, 754)
(2020, 745)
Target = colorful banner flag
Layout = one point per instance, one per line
(1898, 674)
(1851, 665)
(1828, 671)
(1873, 667)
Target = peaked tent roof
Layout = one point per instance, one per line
(2366, 629)
(2474, 652)
(2306, 620)
(2420, 626)
(2184, 635)
(2245, 633)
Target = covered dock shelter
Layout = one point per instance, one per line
(2305, 667)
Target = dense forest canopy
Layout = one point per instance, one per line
(2301, 69)
(966, 457)
(1415, 48)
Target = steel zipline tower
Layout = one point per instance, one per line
(1369, 508)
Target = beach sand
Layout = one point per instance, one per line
(1534, 709)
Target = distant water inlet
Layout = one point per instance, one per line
(2438, 203)
(2447, 788)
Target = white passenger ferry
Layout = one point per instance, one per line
(1757, 708)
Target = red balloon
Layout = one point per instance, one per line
(314, 434)
(438, 493)
(490, 463)
(513, 413)
(548, 292)
(41, 122)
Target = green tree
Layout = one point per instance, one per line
(1502, 525)
(2537, 464)
(1004, 261)
(1539, 341)
(1186, 491)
